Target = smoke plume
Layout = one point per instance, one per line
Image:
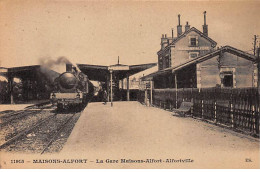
(58, 65)
(51, 68)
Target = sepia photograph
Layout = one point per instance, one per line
(129, 84)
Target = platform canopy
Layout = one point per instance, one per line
(99, 73)
(94, 72)
(27, 72)
(20, 72)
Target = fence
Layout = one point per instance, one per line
(236, 108)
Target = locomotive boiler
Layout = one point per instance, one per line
(73, 89)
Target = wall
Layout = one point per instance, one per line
(180, 53)
(208, 71)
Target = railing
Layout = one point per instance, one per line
(235, 108)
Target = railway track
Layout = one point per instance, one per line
(35, 106)
(9, 114)
(8, 117)
(39, 105)
(43, 135)
(24, 132)
(16, 116)
(57, 133)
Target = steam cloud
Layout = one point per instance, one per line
(52, 68)
(53, 63)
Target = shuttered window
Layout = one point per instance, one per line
(193, 41)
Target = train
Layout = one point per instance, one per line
(72, 90)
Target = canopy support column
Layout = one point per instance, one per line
(127, 85)
(176, 89)
(111, 87)
(10, 89)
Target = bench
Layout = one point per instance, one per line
(184, 108)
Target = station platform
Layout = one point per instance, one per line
(130, 130)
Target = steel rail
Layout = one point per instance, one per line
(26, 131)
(57, 133)
(20, 115)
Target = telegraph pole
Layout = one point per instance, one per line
(255, 38)
(258, 88)
(111, 86)
(258, 67)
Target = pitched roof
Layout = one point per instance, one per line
(205, 57)
(195, 30)
(188, 31)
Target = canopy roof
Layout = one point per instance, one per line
(99, 73)
(94, 72)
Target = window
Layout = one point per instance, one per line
(193, 54)
(227, 79)
(160, 63)
(193, 41)
(167, 64)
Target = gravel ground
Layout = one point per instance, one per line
(10, 114)
(5, 111)
(37, 140)
(60, 141)
(17, 125)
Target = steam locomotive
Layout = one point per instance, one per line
(72, 90)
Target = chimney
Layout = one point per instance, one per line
(164, 41)
(187, 26)
(68, 67)
(179, 27)
(172, 33)
(205, 26)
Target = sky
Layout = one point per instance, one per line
(97, 33)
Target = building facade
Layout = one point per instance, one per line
(191, 60)
(186, 46)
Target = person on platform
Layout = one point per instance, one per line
(105, 97)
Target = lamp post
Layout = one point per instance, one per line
(111, 86)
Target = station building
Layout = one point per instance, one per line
(191, 60)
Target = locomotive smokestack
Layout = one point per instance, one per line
(68, 67)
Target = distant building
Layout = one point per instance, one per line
(191, 60)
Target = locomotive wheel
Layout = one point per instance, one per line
(60, 107)
(74, 107)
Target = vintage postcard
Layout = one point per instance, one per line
(129, 84)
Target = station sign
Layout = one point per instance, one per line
(193, 48)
